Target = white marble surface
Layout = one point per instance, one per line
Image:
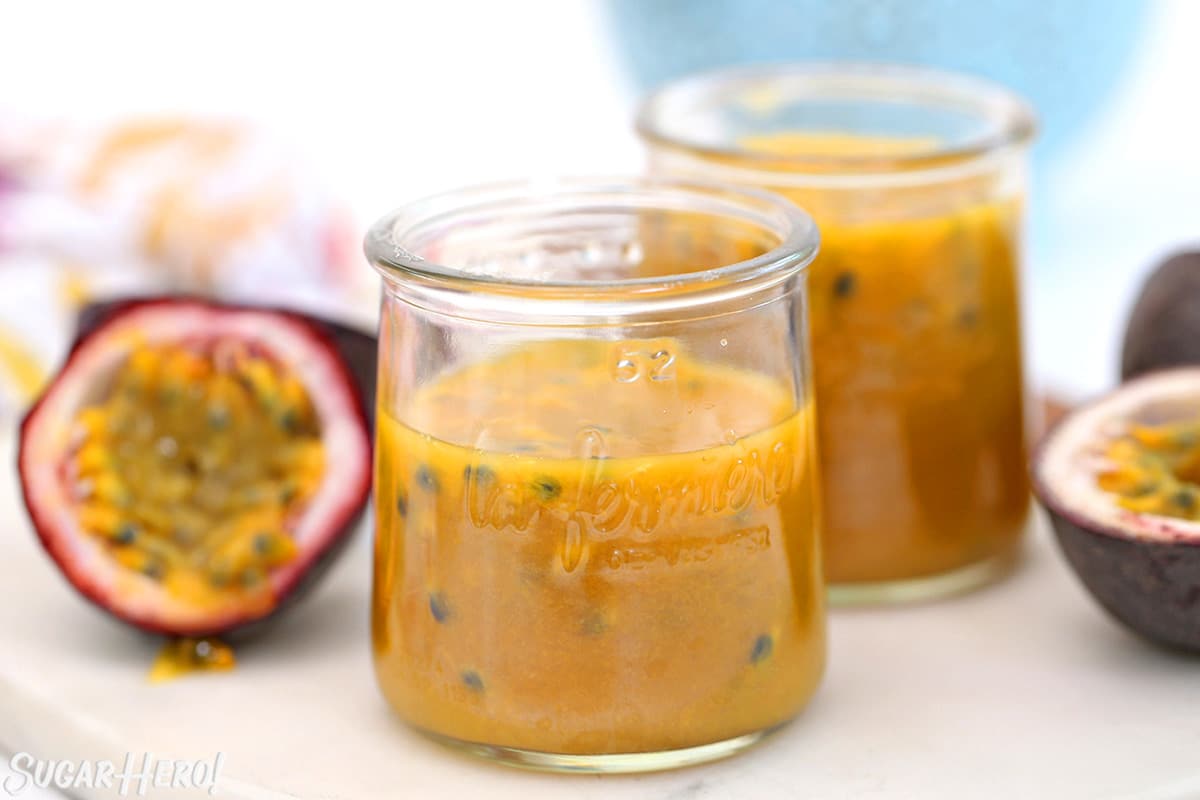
(1022, 690)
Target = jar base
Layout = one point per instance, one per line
(603, 764)
(927, 587)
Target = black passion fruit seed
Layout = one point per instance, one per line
(844, 285)
(126, 534)
(401, 503)
(439, 609)
(427, 479)
(547, 488)
(472, 681)
(763, 646)
(290, 421)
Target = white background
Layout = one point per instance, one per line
(388, 101)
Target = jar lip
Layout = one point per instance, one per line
(797, 233)
(1011, 120)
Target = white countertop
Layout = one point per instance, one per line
(1022, 690)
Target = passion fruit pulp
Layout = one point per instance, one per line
(194, 463)
(1120, 479)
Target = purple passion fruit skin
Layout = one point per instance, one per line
(1152, 588)
(1142, 566)
(195, 466)
(1164, 328)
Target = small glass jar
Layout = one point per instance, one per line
(917, 180)
(595, 495)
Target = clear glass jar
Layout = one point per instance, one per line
(595, 494)
(917, 181)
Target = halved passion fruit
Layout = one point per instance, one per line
(193, 463)
(1121, 480)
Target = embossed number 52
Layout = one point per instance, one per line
(657, 365)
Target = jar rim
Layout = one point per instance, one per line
(798, 238)
(1010, 120)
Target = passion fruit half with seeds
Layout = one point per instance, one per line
(194, 464)
(1121, 481)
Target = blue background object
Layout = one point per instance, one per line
(1065, 56)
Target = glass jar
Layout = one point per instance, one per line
(595, 495)
(917, 181)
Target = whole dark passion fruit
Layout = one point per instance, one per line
(1164, 328)
(195, 464)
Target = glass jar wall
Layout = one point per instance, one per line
(596, 485)
(917, 182)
